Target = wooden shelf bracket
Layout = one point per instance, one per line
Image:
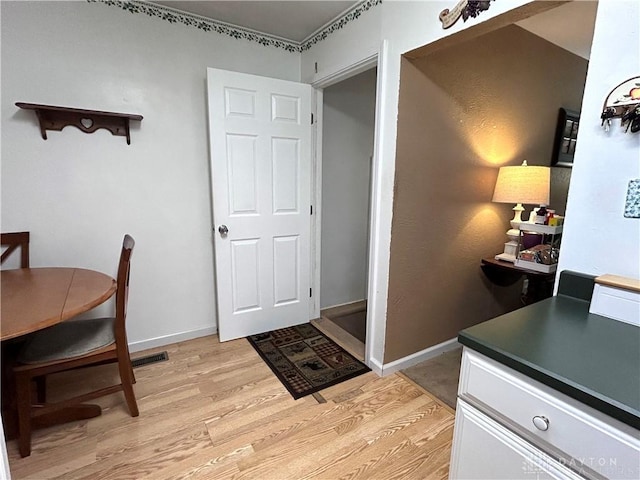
(56, 118)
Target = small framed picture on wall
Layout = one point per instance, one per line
(564, 145)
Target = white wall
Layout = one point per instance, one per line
(77, 193)
(597, 237)
(357, 40)
(5, 473)
(347, 137)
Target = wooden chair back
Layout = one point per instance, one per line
(122, 294)
(14, 241)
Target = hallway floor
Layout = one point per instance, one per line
(439, 375)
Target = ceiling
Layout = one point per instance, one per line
(569, 26)
(292, 20)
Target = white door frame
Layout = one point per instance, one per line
(376, 311)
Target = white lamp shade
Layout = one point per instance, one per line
(523, 184)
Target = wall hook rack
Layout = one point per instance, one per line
(623, 102)
(51, 117)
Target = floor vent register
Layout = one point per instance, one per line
(156, 357)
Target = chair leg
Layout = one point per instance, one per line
(126, 378)
(133, 376)
(23, 397)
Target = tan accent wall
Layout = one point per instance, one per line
(463, 112)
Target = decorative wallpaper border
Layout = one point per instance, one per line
(338, 23)
(209, 25)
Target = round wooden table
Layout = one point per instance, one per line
(37, 298)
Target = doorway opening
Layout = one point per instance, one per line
(348, 127)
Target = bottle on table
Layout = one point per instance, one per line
(550, 214)
(541, 215)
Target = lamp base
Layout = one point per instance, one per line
(517, 217)
(510, 249)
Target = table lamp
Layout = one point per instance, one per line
(521, 184)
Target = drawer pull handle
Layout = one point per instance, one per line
(541, 423)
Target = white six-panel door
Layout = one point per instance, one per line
(260, 147)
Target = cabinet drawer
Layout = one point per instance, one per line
(485, 450)
(576, 434)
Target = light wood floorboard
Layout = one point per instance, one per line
(215, 411)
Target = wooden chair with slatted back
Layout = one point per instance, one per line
(14, 241)
(8, 350)
(71, 345)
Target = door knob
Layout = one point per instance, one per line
(223, 230)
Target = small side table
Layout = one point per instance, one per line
(540, 285)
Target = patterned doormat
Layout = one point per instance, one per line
(304, 359)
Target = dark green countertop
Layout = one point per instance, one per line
(591, 358)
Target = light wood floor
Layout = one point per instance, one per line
(216, 411)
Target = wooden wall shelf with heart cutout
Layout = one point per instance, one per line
(56, 118)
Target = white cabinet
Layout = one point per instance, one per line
(617, 297)
(484, 449)
(536, 427)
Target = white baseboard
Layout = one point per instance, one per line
(375, 366)
(174, 338)
(414, 358)
(343, 304)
